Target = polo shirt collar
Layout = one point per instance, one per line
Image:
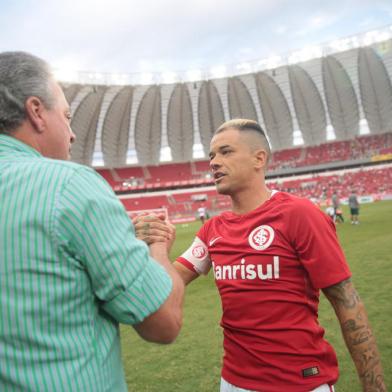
(11, 144)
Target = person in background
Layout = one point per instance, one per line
(338, 216)
(270, 257)
(330, 211)
(71, 268)
(353, 204)
(202, 212)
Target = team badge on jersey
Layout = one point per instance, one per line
(197, 255)
(261, 237)
(199, 251)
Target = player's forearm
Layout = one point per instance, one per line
(186, 274)
(362, 345)
(358, 335)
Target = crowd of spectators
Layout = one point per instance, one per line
(188, 174)
(374, 182)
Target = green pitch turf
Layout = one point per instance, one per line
(192, 363)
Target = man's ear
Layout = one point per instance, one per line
(35, 113)
(261, 158)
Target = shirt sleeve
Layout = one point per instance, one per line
(95, 232)
(196, 257)
(313, 235)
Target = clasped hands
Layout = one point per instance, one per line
(153, 228)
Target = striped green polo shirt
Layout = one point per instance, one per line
(71, 270)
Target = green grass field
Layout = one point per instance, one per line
(192, 363)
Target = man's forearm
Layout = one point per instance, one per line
(159, 253)
(358, 335)
(164, 325)
(362, 345)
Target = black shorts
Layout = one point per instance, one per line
(354, 211)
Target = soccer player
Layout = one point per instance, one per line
(338, 218)
(330, 211)
(353, 204)
(202, 212)
(270, 257)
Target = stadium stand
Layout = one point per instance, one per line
(329, 121)
(373, 182)
(185, 175)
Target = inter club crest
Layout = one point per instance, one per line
(199, 251)
(261, 237)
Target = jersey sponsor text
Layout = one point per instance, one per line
(247, 271)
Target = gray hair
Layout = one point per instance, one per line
(22, 75)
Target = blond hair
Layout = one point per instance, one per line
(243, 124)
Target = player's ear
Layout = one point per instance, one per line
(260, 158)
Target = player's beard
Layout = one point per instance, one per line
(223, 189)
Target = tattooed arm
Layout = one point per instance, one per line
(357, 334)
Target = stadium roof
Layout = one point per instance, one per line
(335, 97)
(226, 70)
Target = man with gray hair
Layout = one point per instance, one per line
(71, 268)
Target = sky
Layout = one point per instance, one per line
(129, 36)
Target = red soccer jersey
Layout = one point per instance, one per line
(269, 265)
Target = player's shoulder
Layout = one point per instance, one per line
(221, 218)
(290, 201)
(301, 214)
(211, 222)
(209, 227)
(295, 206)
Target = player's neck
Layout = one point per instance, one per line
(244, 202)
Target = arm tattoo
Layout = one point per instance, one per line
(356, 331)
(357, 334)
(344, 294)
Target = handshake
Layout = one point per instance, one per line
(152, 228)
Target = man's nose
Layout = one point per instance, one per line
(73, 137)
(214, 164)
